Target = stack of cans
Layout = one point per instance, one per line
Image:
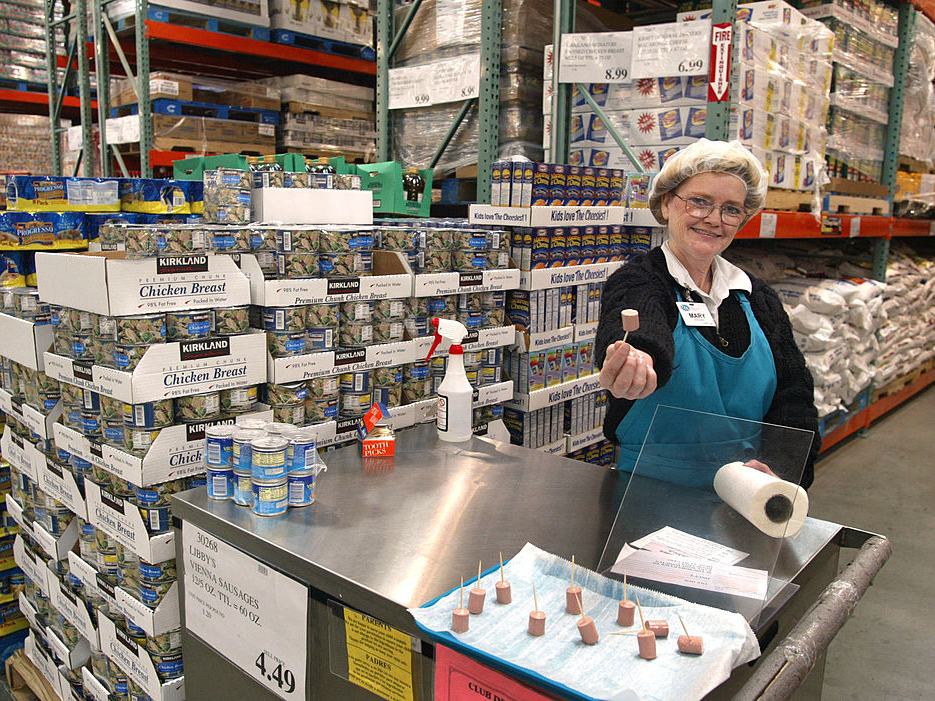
(268, 467)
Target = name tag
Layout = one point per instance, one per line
(695, 314)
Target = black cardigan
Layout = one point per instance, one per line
(645, 284)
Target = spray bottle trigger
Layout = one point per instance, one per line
(438, 339)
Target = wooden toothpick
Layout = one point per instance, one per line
(572, 570)
(624, 586)
(501, 567)
(683, 626)
(535, 600)
(462, 591)
(580, 605)
(478, 575)
(640, 607)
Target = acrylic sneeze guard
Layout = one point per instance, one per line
(675, 533)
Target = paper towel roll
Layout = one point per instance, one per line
(777, 507)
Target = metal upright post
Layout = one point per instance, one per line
(488, 111)
(144, 107)
(384, 57)
(563, 23)
(51, 64)
(84, 88)
(717, 120)
(102, 75)
(907, 20)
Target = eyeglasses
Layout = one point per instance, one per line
(701, 208)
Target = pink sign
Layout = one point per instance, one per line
(459, 678)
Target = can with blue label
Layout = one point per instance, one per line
(158, 414)
(243, 487)
(219, 445)
(270, 496)
(268, 457)
(220, 484)
(188, 325)
(168, 666)
(302, 488)
(302, 454)
(158, 571)
(355, 382)
(90, 401)
(241, 448)
(158, 519)
(159, 494)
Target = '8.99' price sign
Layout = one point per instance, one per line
(254, 616)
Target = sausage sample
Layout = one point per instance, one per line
(460, 620)
(588, 630)
(572, 597)
(504, 594)
(537, 623)
(625, 613)
(630, 318)
(646, 640)
(659, 628)
(691, 644)
(476, 600)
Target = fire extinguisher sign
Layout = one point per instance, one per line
(719, 65)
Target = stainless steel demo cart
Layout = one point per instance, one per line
(390, 534)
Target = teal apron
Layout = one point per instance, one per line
(686, 447)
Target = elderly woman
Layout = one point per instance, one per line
(711, 338)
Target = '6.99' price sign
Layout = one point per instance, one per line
(254, 616)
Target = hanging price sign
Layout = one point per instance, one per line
(410, 87)
(596, 58)
(449, 80)
(254, 616)
(677, 48)
(455, 79)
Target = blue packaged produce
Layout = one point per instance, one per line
(31, 193)
(155, 195)
(43, 230)
(12, 272)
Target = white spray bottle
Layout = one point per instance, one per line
(455, 394)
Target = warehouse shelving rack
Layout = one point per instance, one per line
(487, 101)
(165, 46)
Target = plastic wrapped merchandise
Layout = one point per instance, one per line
(451, 28)
(915, 138)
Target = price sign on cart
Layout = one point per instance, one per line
(252, 615)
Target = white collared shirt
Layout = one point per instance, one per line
(725, 277)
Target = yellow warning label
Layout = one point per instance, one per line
(379, 657)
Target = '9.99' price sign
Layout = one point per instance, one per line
(254, 616)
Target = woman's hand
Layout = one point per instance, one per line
(760, 467)
(628, 373)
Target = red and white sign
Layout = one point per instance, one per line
(719, 65)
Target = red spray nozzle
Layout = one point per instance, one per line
(438, 338)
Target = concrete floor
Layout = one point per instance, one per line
(884, 483)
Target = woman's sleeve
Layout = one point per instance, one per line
(637, 286)
(793, 403)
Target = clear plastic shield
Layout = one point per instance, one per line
(696, 522)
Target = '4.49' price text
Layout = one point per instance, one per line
(284, 678)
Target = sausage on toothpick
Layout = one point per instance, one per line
(536, 617)
(690, 644)
(477, 596)
(645, 639)
(586, 627)
(461, 617)
(573, 593)
(504, 593)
